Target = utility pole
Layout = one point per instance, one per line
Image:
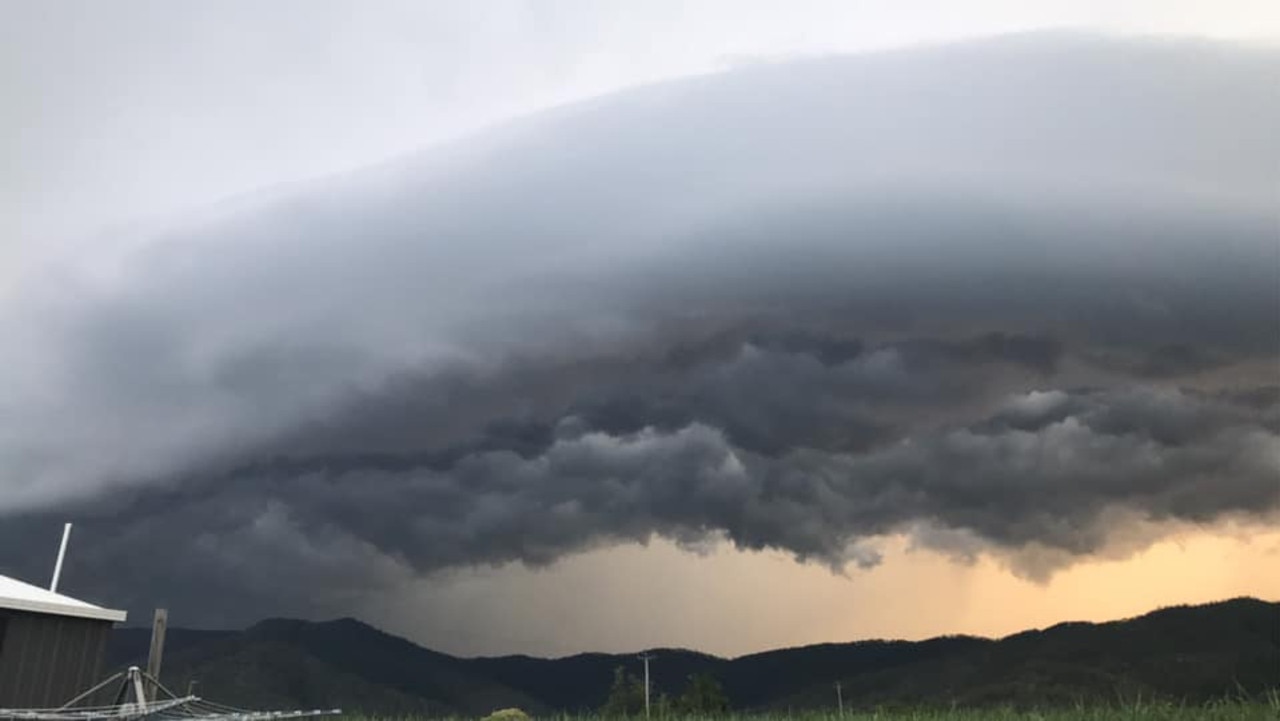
(839, 698)
(645, 657)
(158, 625)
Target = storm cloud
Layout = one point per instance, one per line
(1003, 297)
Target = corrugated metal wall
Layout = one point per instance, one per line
(46, 660)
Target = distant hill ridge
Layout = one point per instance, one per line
(1185, 653)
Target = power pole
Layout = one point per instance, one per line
(839, 699)
(645, 657)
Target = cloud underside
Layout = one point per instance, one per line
(566, 339)
(820, 450)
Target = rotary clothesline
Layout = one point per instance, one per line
(133, 683)
(184, 709)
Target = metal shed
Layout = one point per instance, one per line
(51, 645)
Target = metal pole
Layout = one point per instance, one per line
(90, 692)
(62, 553)
(139, 693)
(645, 657)
(839, 698)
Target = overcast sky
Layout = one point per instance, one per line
(850, 300)
(127, 112)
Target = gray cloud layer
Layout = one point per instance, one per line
(996, 296)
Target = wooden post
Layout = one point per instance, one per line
(157, 648)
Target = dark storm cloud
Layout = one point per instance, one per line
(999, 291)
(1046, 469)
(768, 392)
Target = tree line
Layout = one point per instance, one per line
(702, 696)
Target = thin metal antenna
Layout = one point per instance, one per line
(645, 657)
(62, 553)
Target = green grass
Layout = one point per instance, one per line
(1220, 711)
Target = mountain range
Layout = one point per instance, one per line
(1184, 653)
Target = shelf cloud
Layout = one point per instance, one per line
(1003, 297)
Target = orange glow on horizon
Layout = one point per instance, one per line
(732, 603)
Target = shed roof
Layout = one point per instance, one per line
(21, 596)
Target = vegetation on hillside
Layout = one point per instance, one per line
(702, 696)
(1186, 656)
(1267, 710)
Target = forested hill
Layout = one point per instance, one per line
(1191, 653)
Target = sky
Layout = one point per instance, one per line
(550, 327)
(121, 116)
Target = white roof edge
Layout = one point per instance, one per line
(22, 596)
(85, 611)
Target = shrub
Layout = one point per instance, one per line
(507, 714)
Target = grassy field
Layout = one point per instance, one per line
(1143, 712)
(1227, 712)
